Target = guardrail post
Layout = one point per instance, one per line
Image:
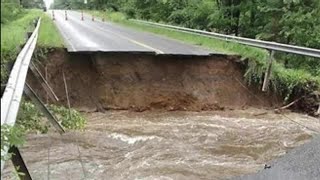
(28, 35)
(3, 86)
(268, 72)
(35, 22)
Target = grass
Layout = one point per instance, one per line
(49, 35)
(13, 36)
(286, 82)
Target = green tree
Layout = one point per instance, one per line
(294, 22)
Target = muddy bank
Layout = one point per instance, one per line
(141, 82)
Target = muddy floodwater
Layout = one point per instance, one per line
(167, 145)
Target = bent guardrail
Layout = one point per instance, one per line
(11, 98)
(246, 41)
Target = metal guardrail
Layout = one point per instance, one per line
(271, 46)
(11, 98)
(247, 41)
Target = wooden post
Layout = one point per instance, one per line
(37, 74)
(46, 77)
(53, 18)
(268, 72)
(67, 94)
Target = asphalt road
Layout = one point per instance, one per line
(93, 36)
(302, 163)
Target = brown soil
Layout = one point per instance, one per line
(141, 82)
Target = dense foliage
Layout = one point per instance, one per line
(294, 22)
(12, 9)
(39, 4)
(31, 119)
(10, 136)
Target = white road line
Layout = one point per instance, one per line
(93, 44)
(65, 38)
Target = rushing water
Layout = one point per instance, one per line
(167, 145)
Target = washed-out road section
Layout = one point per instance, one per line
(97, 36)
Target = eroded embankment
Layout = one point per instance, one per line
(141, 82)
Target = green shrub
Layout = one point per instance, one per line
(10, 10)
(70, 119)
(13, 136)
(31, 119)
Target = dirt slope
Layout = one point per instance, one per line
(140, 82)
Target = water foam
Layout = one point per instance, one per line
(131, 140)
